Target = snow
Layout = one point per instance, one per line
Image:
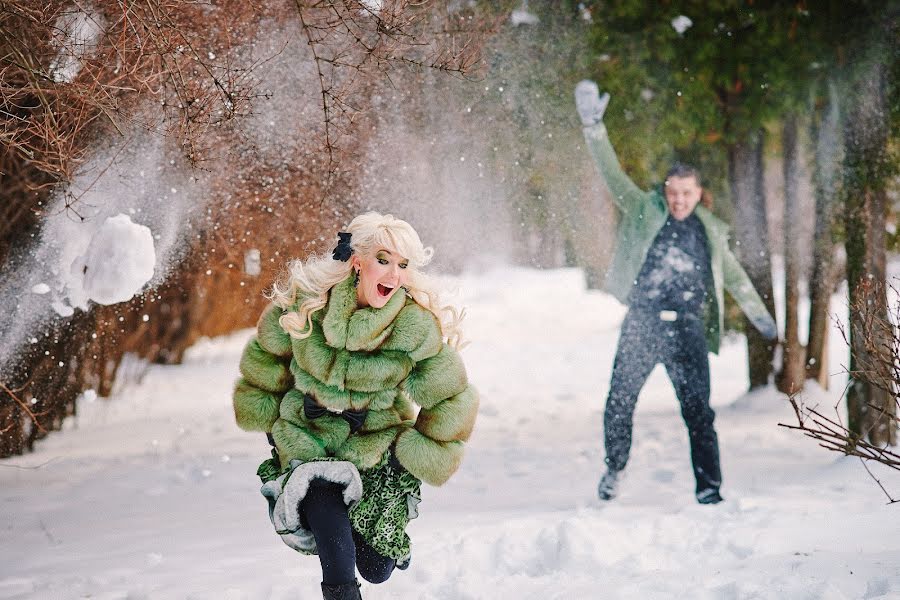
(77, 35)
(252, 265)
(681, 24)
(152, 493)
(372, 5)
(585, 13)
(522, 16)
(62, 309)
(134, 179)
(118, 262)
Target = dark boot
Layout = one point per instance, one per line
(344, 591)
(709, 496)
(609, 485)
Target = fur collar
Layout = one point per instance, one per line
(346, 326)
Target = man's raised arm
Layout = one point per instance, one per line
(591, 106)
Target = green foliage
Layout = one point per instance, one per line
(686, 96)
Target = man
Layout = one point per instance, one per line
(670, 267)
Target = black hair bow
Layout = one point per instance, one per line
(343, 250)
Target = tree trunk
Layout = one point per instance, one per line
(745, 174)
(826, 181)
(791, 378)
(871, 408)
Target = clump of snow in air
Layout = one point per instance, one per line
(252, 262)
(681, 24)
(62, 309)
(522, 16)
(77, 35)
(118, 262)
(585, 13)
(40, 288)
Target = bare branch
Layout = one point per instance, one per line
(24, 406)
(877, 357)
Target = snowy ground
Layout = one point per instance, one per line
(153, 495)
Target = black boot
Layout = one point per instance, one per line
(609, 485)
(709, 496)
(343, 591)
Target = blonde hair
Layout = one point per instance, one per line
(313, 278)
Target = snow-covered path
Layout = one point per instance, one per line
(153, 494)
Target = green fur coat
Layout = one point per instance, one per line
(385, 361)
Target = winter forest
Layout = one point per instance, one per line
(162, 161)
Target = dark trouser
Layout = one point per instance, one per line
(680, 346)
(341, 549)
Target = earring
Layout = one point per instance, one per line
(356, 280)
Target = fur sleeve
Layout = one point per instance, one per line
(271, 337)
(435, 379)
(264, 374)
(433, 449)
(264, 369)
(254, 409)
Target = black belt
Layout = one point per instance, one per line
(314, 410)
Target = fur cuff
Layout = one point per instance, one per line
(452, 419)
(431, 461)
(285, 493)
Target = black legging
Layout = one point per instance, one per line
(341, 549)
(646, 340)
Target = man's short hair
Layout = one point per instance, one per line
(680, 169)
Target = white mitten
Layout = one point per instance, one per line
(589, 103)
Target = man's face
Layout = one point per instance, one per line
(682, 196)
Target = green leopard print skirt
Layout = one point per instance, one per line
(389, 500)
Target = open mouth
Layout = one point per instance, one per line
(384, 290)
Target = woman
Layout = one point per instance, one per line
(350, 343)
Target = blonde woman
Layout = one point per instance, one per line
(352, 342)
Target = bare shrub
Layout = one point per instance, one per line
(876, 354)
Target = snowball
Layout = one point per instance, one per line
(41, 288)
(681, 24)
(118, 261)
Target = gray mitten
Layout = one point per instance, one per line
(589, 103)
(767, 328)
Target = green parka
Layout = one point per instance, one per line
(642, 215)
(383, 360)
